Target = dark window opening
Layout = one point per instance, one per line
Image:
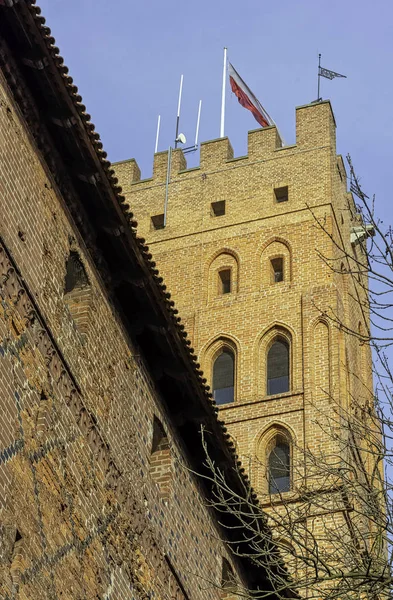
(77, 292)
(160, 459)
(160, 440)
(281, 194)
(218, 208)
(224, 281)
(228, 579)
(279, 467)
(278, 368)
(157, 221)
(224, 377)
(76, 277)
(277, 265)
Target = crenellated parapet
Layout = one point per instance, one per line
(315, 128)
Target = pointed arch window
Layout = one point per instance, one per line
(224, 377)
(278, 367)
(279, 466)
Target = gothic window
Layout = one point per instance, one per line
(224, 281)
(279, 465)
(276, 263)
(223, 276)
(224, 377)
(278, 367)
(277, 269)
(160, 459)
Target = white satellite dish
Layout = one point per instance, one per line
(181, 138)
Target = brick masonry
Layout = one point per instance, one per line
(82, 516)
(304, 230)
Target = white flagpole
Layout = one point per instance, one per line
(157, 134)
(224, 80)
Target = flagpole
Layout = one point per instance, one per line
(224, 80)
(319, 76)
(178, 110)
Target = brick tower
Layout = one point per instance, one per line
(244, 258)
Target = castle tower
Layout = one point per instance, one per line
(247, 254)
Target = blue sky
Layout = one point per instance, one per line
(127, 58)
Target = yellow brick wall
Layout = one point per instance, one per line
(255, 228)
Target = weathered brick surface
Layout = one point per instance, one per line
(82, 516)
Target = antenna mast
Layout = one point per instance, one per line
(157, 134)
(178, 111)
(319, 78)
(197, 125)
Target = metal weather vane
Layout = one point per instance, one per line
(322, 72)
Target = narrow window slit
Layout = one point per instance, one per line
(277, 266)
(225, 281)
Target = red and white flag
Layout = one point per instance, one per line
(247, 99)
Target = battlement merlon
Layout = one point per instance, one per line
(127, 172)
(315, 128)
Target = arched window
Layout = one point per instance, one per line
(279, 465)
(224, 377)
(276, 263)
(278, 367)
(223, 276)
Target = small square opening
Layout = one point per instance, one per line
(277, 266)
(224, 281)
(218, 208)
(281, 194)
(157, 221)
